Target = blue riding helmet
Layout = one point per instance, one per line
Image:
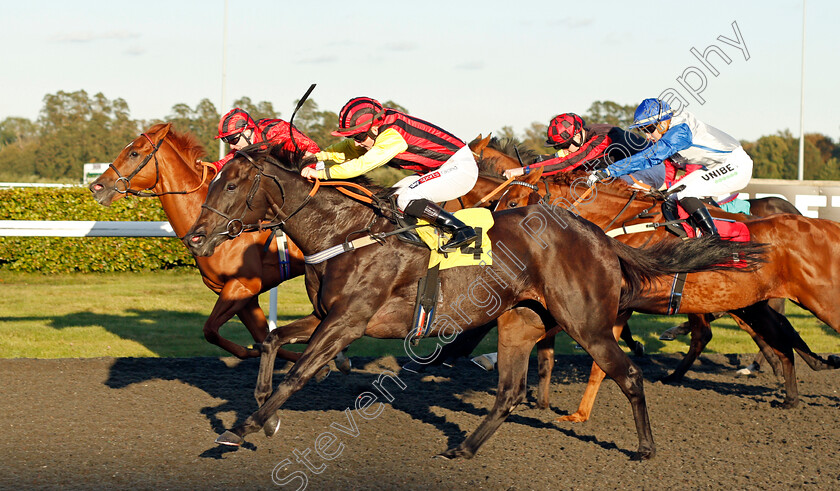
(651, 111)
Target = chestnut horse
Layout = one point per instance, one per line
(797, 245)
(372, 290)
(162, 163)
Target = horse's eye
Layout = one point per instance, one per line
(134, 154)
(231, 186)
(512, 204)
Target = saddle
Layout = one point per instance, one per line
(683, 226)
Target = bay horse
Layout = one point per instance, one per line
(796, 243)
(371, 290)
(162, 163)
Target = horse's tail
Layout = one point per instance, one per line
(710, 253)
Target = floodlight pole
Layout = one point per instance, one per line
(223, 106)
(801, 174)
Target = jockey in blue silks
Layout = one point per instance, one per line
(726, 166)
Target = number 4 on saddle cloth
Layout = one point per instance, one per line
(478, 254)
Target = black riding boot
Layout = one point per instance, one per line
(700, 214)
(461, 233)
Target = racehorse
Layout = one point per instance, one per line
(371, 290)
(797, 244)
(162, 163)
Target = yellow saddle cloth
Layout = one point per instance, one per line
(474, 217)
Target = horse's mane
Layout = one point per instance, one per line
(488, 166)
(188, 143)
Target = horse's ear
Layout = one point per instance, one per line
(158, 131)
(479, 144)
(534, 176)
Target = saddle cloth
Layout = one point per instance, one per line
(474, 217)
(728, 229)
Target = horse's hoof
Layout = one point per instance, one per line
(790, 403)
(414, 367)
(454, 453)
(230, 439)
(643, 455)
(672, 333)
(834, 361)
(670, 379)
(639, 350)
(574, 418)
(343, 364)
(322, 374)
(272, 426)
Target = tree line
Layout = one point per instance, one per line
(74, 128)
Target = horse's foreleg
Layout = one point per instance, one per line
(516, 339)
(253, 317)
(701, 334)
(293, 332)
(334, 333)
(596, 376)
(225, 308)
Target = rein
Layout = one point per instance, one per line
(494, 192)
(236, 226)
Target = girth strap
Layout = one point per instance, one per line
(428, 288)
(676, 293)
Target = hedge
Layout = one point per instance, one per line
(84, 254)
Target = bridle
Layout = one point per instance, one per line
(147, 193)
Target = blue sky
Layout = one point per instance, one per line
(471, 67)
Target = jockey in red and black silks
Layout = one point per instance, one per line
(590, 146)
(237, 129)
(379, 136)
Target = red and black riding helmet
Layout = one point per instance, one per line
(234, 122)
(563, 129)
(357, 116)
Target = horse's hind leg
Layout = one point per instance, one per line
(766, 323)
(636, 347)
(701, 334)
(516, 339)
(596, 376)
(608, 355)
(545, 365)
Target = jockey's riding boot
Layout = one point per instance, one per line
(462, 234)
(669, 210)
(700, 214)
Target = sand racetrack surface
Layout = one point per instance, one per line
(149, 423)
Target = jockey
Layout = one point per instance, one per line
(377, 136)
(592, 146)
(238, 129)
(685, 140)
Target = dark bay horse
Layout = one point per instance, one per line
(371, 290)
(798, 244)
(162, 163)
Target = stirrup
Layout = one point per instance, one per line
(460, 238)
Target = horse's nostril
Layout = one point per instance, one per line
(196, 238)
(96, 187)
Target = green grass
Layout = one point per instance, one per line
(161, 314)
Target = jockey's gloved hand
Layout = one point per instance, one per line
(597, 176)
